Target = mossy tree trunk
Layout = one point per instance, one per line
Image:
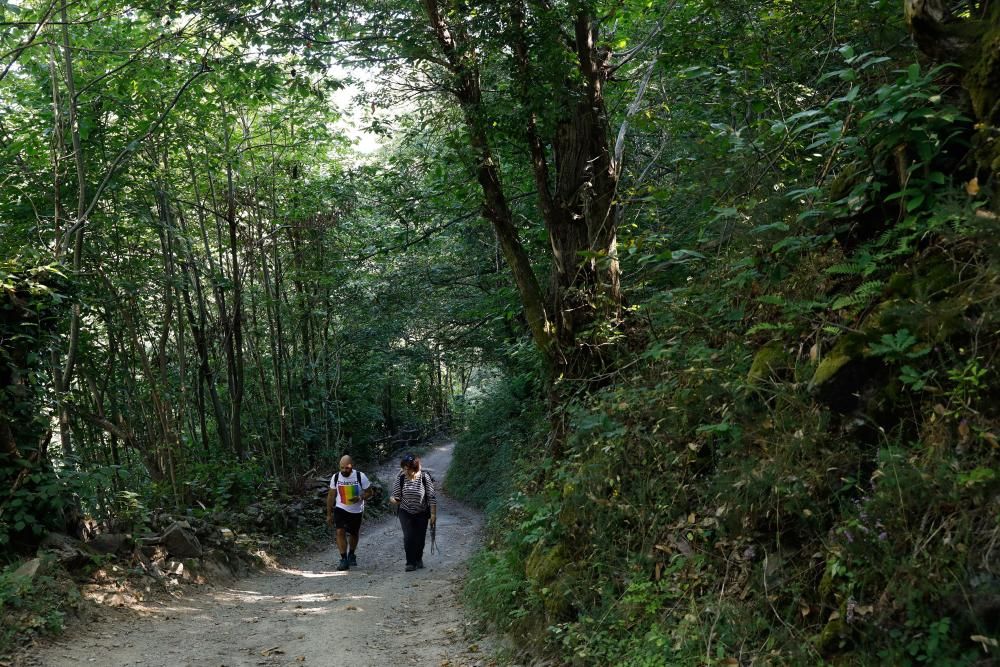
(972, 41)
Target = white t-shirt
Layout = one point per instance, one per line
(350, 491)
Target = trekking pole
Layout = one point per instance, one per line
(434, 538)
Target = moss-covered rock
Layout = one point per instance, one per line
(545, 562)
(983, 84)
(832, 633)
(546, 569)
(848, 348)
(769, 360)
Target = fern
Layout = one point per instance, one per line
(769, 326)
(887, 238)
(860, 297)
(846, 269)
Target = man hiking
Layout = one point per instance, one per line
(349, 489)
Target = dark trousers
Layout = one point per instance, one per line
(414, 535)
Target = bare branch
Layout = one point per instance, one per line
(632, 108)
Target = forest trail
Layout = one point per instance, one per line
(305, 612)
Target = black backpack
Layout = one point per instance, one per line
(423, 481)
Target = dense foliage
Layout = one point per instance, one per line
(190, 307)
(801, 465)
(711, 285)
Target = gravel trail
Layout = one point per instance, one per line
(304, 612)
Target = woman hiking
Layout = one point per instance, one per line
(413, 492)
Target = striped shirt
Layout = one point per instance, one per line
(412, 492)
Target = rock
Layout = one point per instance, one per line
(769, 361)
(848, 348)
(29, 569)
(217, 565)
(175, 568)
(68, 552)
(110, 543)
(217, 538)
(209, 535)
(155, 553)
(181, 541)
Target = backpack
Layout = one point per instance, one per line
(423, 481)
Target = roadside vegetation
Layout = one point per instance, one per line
(708, 291)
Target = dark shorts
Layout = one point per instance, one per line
(347, 521)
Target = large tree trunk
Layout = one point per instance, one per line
(577, 208)
(575, 199)
(974, 44)
(496, 207)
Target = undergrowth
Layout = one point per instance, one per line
(802, 466)
(495, 443)
(35, 605)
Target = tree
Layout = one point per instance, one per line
(968, 36)
(529, 80)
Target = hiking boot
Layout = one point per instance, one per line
(352, 560)
(410, 567)
(344, 564)
(420, 564)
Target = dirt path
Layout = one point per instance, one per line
(307, 613)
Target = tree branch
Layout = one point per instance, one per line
(127, 151)
(632, 108)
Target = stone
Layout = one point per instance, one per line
(770, 360)
(181, 541)
(847, 348)
(110, 543)
(29, 569)
(67, 551)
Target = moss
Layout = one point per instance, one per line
(768, 360)
(826, 584)
(845, 181)
(559, 596)
(832, 632)
(944, 320)
(983, 79)
(926, 302)
(932, 278)
(928, 277)
(983, 85)
(544, 563)
(546, 568)
(848, 348)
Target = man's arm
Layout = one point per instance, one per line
(330, 495)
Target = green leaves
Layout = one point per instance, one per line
(898, 346)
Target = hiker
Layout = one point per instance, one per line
(413, 492)
(350, 488)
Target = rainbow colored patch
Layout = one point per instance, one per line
(350, 494)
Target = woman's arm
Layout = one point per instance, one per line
(396, 495)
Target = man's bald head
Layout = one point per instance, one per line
(346, 465)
